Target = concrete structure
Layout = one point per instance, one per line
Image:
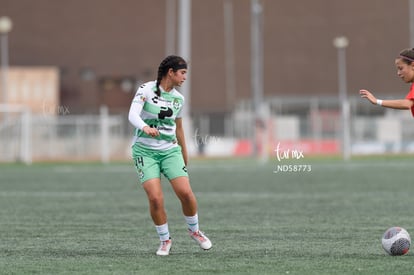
(101, 45)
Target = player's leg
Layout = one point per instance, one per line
(156, 200)
(182, 189)
(155, 196)
(148, 169)
(173, 167)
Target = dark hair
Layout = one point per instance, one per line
(170, 62)
(407, 55)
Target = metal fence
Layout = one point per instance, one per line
(26, 137)
(313, 124)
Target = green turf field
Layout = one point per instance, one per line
(93, 219)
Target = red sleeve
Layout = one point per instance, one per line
(410, 96)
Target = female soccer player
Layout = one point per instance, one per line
(405, 70)
(159, 147)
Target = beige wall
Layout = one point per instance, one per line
(121, 39)
(36, 88)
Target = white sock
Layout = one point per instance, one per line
(192, 222)
(163, 232)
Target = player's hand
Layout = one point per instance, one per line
(370, 97)
(153, 132)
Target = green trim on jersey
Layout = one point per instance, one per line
(159, 112)
(160, 137)
(166, 122)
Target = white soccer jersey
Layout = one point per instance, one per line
(148, 109)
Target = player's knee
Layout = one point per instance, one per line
(156, 202)
(187, 197)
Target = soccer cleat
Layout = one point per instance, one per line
(201, 239)
(164, 248)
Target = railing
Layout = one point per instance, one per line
(312, 124)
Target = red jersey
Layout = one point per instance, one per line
(410, 96)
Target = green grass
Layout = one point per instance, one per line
(93, 219)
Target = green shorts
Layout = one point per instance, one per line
(152, 163)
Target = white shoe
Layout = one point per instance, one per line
(164, 248)
(201, 239)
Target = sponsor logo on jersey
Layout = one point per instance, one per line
(140, 95)
(164, 128)
(157, 99)
(141, 174)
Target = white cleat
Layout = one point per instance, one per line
(201, 239)
(165, 247)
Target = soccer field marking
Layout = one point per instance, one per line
(237, 195)
(94, 194)
(337, 164)
(359, 165)
(41, 194)
(239, 167)
(106, 169)
(282, 195)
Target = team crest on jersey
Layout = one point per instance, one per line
(176, 104)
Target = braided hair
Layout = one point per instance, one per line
(170, 62)
(407, 55)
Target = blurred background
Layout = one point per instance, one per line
(262, 73)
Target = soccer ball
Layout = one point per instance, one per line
(396, 241)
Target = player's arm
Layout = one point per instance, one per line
(398, 104)
(135, 112)
(402, 104)
(179, 132)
